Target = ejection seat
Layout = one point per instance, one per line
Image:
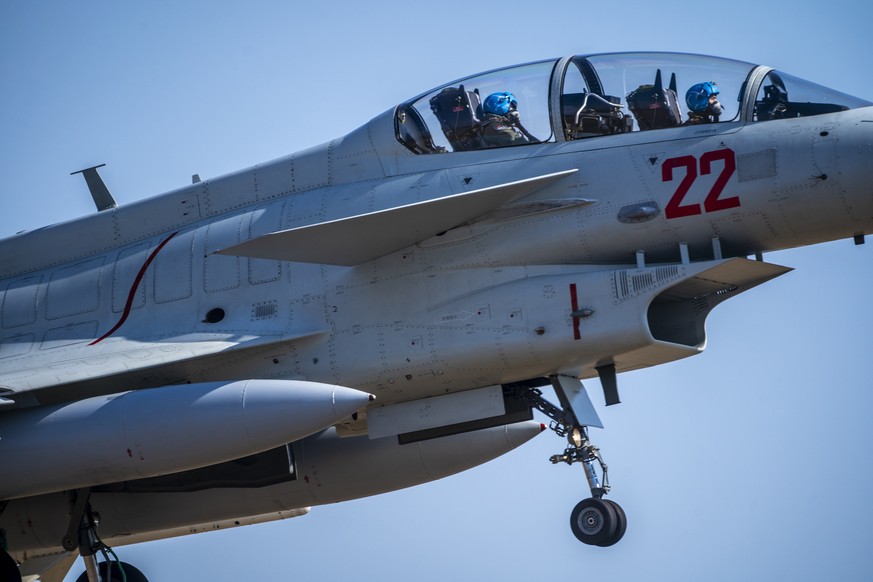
(460, 115)
(589, 115)
(655, 107)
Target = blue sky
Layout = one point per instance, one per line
(748, 462)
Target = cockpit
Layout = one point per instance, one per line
(595, 96)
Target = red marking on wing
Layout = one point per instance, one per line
(132, 293)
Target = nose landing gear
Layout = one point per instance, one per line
(594, 521)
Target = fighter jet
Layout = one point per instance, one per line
(385, 309)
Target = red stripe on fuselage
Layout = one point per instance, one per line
(574, 306)
(133, 288)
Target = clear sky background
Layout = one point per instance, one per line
(751, 461)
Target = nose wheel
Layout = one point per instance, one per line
(595, 521)
(598, 522)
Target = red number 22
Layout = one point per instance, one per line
(713, 202)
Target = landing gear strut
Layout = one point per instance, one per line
(594, 521)
(82, 535)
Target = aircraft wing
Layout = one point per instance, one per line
(143, 366)
(358, 239)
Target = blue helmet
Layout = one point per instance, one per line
(499, 103)
(698, 95)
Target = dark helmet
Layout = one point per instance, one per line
(698, 95)
(499, 103)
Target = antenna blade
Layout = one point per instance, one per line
(99, 192)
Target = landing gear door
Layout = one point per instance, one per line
(573, 396)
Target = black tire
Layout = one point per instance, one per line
(8, 568)
(594, 522)
(132, 574)
(621, 526)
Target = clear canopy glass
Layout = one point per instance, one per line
(600, 95)
(781, 96)
(449, 118)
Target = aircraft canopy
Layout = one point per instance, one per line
(589, 96)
